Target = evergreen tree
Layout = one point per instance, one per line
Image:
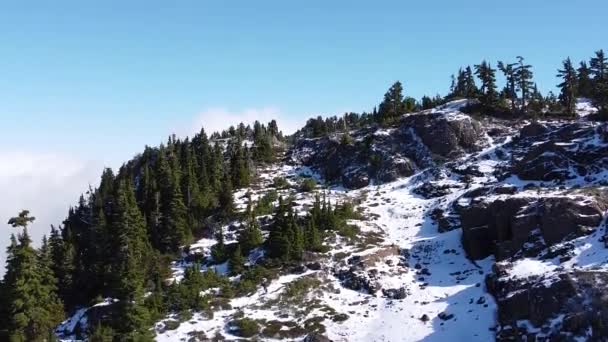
(131, 253)
(585, 83)
(523, 75)
(392, 106)
(218, 251)
(236, 262)
(101, 333)
(251, 236)
(599, 71)
(239, 167)
(487, 75)
(278, 244)
(312, 236)
(226, 199)
(470, 88)
(34, 309)
(568, 90)
(510, 90)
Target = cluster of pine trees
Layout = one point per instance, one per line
(519, 95)
(118, 240)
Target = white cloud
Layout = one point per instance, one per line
(218, 119)
(46, 184)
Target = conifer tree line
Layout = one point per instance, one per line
(118, 240)
(518, 96)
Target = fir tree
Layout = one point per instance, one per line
(218, 251)
(226, 200)
(510, 90)
(487, 75)
(470, 88)
(568, 90)
(523, 75)
(392, 106)
(312, 236)
(101, 333)
(34, 309)
(585, 83)
(251, 236)
(236, 262)
(131, 253)
(599, 71)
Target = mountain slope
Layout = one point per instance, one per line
(466, 229)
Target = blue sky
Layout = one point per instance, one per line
(92, 82)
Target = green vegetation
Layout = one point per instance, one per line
(246, 327)
(308, 185)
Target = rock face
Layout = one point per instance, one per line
(577, 299)
(559, 153)
(444, 135)
(384, 155)
(501, 226)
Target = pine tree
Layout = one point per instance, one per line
(523, 75)
(101, 333)
(239, 167)
(250, 237)
(173, 230)
(226, 200)
(585, 83)
(510, 90)
(49, 281)
(312, 236)
(568, 90)
(392, 106)
(176, 223)
(236, 262)
(487, 75)
(131, 251)
(599, 71)
(278, 244)
(218, 251)
(470, 88)
(34, 309)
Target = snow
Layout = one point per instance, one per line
(584, 107)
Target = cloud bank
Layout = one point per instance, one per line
(45, 184)
(219, 119)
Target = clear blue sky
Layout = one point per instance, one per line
(76, 74)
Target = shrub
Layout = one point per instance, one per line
(308, 185)
(298, 288)
(246, 327)
(280, 183)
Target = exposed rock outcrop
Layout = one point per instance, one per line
(501, 226)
